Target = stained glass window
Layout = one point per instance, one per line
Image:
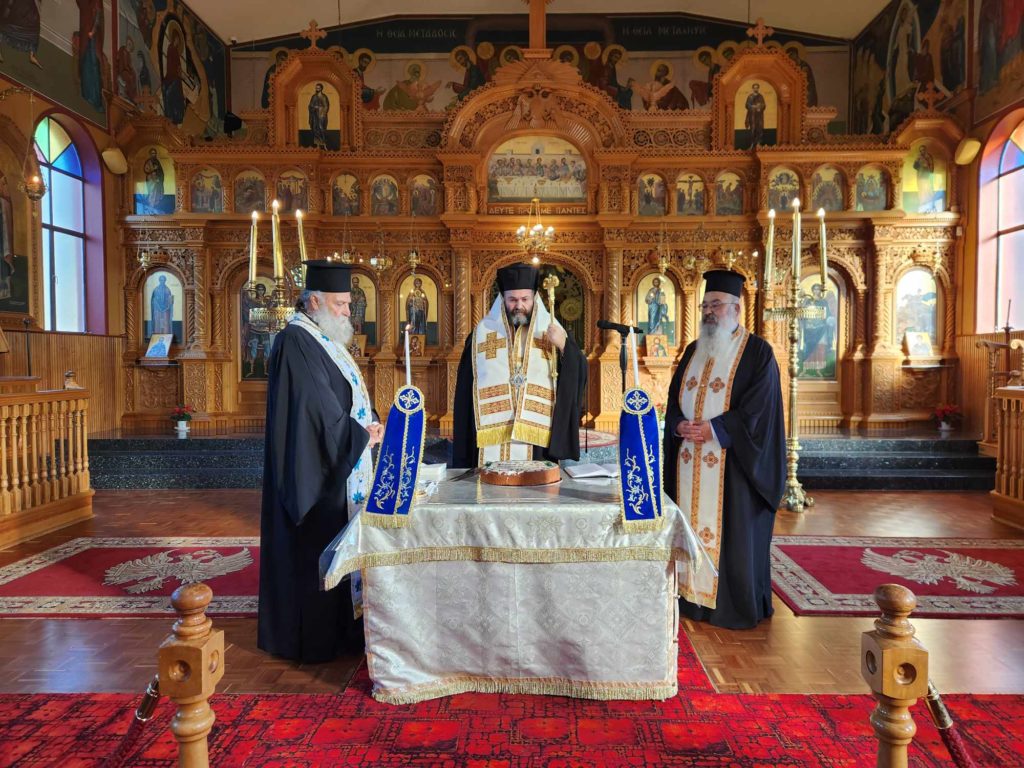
(63, 228)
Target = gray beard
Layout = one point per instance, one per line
(337, 329)
(713, 340)
(517, 320)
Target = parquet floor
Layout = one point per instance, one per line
(788, 654)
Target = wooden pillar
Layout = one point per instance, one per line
(895, 666)
(462, 317)
(609, 373)
(191, 663)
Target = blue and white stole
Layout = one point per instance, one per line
(640, 458)
(700, 469)
(394, 485)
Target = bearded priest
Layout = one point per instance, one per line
(725, 457)
(317, 469)
(507, 404)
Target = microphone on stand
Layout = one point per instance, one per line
(608, 325)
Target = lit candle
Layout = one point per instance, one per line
(824, 256)
(408, 366)
(796, 241)
(769, 254)
(275, 237)
(252, 249)
(632, 351)
(302, 238)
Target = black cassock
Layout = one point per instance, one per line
(753, 432)
(312, 444)
(569, 398)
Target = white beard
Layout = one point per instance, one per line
(713, 339)
(337, 329)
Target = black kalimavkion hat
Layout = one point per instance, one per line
(328, 276)
(724, 281)
(517, 277)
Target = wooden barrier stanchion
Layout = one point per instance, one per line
(895, 665)
(190, 663)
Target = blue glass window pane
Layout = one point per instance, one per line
(47, 200)
(1013, 152)
(47, 279)
(42, 137)
(66, 197)
(68, 293)
(69, 161)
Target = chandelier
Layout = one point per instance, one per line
(532, 237)
(380, 261)
(348, 253)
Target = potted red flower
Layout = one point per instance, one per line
(947, 416)
(182, 415)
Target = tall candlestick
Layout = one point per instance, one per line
(252, 249)
(796, 241)
(632, 351)
(275, 237)
(824, 256)
(408, 366)
(302, 238)
(769, 254)
(1009, 304)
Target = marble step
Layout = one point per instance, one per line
(110, 461)
(219, 477)
(896, 460)
(899, 444)
(898, 479)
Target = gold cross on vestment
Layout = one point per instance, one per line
(490, 346)
(760, 31)
(929, 96)
(544, 345)
(313, 33)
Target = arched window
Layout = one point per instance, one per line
(1001, 228)
(63, 229)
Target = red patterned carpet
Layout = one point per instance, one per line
(97, 577)
(952, 578)
(696, 728)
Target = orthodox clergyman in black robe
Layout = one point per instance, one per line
(507, 404)
(317, 466)
(725, 458)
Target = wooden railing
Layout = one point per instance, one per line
(1008, 496)
(44, 462)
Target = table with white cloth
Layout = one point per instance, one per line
(518, 589)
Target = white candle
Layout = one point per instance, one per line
(824, 257)
(275, 237)
(252, 249)
(796, 241)
(408, 366)
(302, 238)
(632, 351)
(769, 254)
(1009, 304)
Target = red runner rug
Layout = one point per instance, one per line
(952, 578)
(698, 727)
(99, 577)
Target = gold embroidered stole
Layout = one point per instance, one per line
(700, 469)
(513, 392)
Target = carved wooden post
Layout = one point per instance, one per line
(895, 665)
(190, 664)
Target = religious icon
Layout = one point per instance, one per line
(423, 191)
(345, 195)
(280, 56)
(827, 189)
(364, 60)
(872, 189)
(798, 54)
(756, 118)
(162, 311)
(609, 80)
(207, 192)
(917, 344)
(689, 195)
(700, 90)
(728, 194)
(159, 345)
(656, 300)
(661, 92)
(250, 192)
(413, 92)
(384, 197)
(417, 344)
(657, 345)
(292, 191)
(358, 346)
(364, 307)
(545, 167)
(924, 180)
(818, 335)
(255, 341)
(154, 183)
(464, 58)
(783, 188)
(651, 195)
(358, 305)
(418, 307)
(89, 53)
(916, 304)
(320, 119)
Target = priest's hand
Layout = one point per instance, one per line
(376, 430)
(695, 431)
(556, 335)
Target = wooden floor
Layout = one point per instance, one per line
(787, 654)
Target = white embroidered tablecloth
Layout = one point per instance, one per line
(506, 589)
